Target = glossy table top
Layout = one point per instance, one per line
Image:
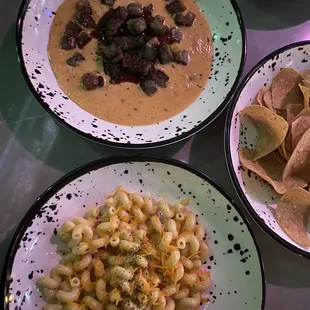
(35, 150)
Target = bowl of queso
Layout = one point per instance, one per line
(132, 74)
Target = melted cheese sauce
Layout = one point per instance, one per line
(125, 103)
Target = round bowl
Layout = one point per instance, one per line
(34, 22)
(258, 196)
(237, 277)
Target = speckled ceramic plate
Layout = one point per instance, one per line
(235, 264)
(258, 196)
(225, 20)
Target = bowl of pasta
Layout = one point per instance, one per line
(158, 235)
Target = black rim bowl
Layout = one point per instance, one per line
(14, 245)
(231, 170)
(206, 122)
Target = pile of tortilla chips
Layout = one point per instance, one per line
(281, 114)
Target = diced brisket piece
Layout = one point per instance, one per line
(104, 19)
(113, 70)
(72, 29)
(110, 52)
(175, 7)
(160, 78)
(149, 87)
(176, 35)
(181, 57)
(108, 2)
(165, 54)
(136, 25)
(67, 43)
(135, 9)
(75, 59)
(84, 15)
(92, 81)
(147, 13)
(114, 22)
(82, 4)
(130, 43)
(83, 39)
(185, 20)
(153, 42)
(148, 9)
(149, 53)
(135, 65)
(157, 27)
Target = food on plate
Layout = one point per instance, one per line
(281, 155)
(155, 58)
(299, 163)
(271, 129)
(270, 169)
(292, 215)
(131, 253)
(285, 88)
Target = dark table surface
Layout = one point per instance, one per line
(35, 150)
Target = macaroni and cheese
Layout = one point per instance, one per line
(132, 253)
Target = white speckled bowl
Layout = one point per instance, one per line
(258, 196)
(235, 265)
(34, 22)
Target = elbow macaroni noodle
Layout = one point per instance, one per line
(131, 253)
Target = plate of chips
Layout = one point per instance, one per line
(267, 143)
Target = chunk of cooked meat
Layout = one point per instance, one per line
(84, 15)
(149, 53)
(160, 78)
(74, 60)
(113, 22)
(67, 42)
(108, 2)
(136, 25)
(154, 42)
(176, 35)
(175, 7)
(165, 54)
(82, 4)
(157, 27)
(181, 57)
(135, 65)
(130, 43)
(83, 39)
(186, 20)
(135, 9)
(149, 87)
(72, 29)
(110, 52)
(92, 81)
(113, 70)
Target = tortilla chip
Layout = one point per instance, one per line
(304, 112)
(299, 127)
(285, 89)
(271, 129)
(306, 75)
(269, 169)
(279, 157)
(281, 113)
(259, 97)
(268, 100)
(292, 214)
(298, 165)
(284, 150)
(306, 94)
(305, 83)
(292, 110)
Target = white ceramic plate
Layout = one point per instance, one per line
(258, 196)
(35, 19)
(235, 264)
